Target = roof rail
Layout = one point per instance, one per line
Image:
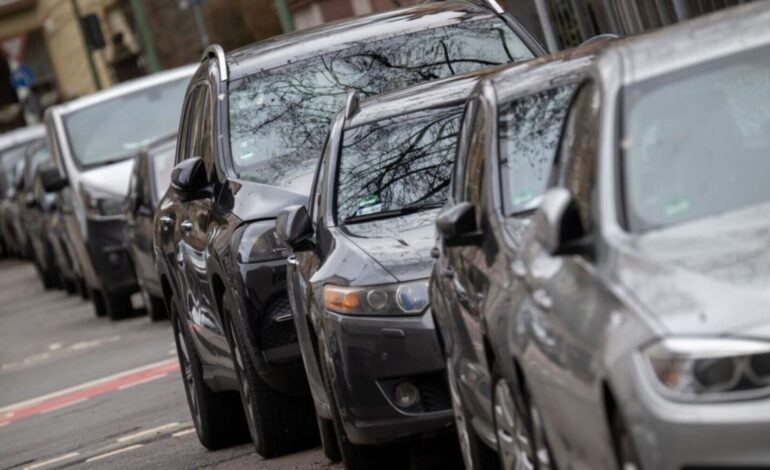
(215, 51)
(351, 104)
(491, 4)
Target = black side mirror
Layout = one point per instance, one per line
(558, 227)
(457, 225)
(189, 179)
(294, 229)
(29, 200)
(52, 180)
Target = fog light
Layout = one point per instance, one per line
(406, 395)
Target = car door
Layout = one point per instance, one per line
(143, 224)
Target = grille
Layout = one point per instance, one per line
(276, 329)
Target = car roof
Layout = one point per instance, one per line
(124, 88)
(692, 42)
(21, 135)
(292, 47)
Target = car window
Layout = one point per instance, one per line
(279, 117)
(528, 132)
(473, 174)
(162, 164)
(186, 127)
(118, 128)
(8, 160)
(204, 147)
(397, 163)
(144, 184)
(579, 151)
(463, 147)
(320, 176)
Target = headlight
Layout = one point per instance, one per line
(711, 368)
(410, 298)
(100, 203)
(259, 243)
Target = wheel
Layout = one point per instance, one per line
(156, 308)
(476, 454)
(100, 307)
(625, 451)
(329, 439)
(218, 418)
(118, 306)
(278, 423)
(355, 457)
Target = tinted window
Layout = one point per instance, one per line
(697, 142)
(162, 163)
(473, 173)
(279, 118)
(529, 130)
(117, 129)
(397, 163)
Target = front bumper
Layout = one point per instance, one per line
(109, 256)
(671, 435)
(369, 357)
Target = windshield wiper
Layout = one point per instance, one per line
(411, 209)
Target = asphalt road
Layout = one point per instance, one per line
(78, 391)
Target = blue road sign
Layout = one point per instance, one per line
(22, 77)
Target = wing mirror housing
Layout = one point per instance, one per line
(557, 225)
(189, 179)
(457, 225)
(52, 180)
(294, 229)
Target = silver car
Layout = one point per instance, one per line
(641, 316)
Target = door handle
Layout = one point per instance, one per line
(166, 222)
(292, 260)
(434, 253)
(542, 299)
(186, 225)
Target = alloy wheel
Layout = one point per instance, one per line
(542, 451)
(247, 397)
(459, 414)
(514, 444)
(189, 376)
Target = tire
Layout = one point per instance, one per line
(476, 454)
(100, 307)
(118, 306)
(85, 294)
(329, 445)
(156, 308)
(218, 418)
(278, 423)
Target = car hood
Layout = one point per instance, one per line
(401, 245)
(254, 201)
(711, 276)
(111, 179)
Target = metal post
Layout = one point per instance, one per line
(148, 47)
(284, 16)
(545, 23)
(89, 55)
(198, 14)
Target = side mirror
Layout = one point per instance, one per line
(29, 200)
(557, 225)
(457, 225)
(52, 180)
(294, 229)
(189, 178)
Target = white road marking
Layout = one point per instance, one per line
(65, 405)
(45, 463)
(54, 346)
(183, 433)
(138, 435)
(114, 452)
(150, 379)
(83, 386)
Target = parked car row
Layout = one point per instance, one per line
(415, 223)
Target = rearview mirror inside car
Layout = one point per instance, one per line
(52, 180)
(557, 224)
(189, 179)
(294, 229)
(457, 225)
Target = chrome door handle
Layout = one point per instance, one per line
(292, 260)
(166, 221)
(542, 299)
(186, 225)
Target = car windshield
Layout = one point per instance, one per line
(118, 128)
(697, 142)
(529, 131)
(397, 164)
(162, 164)
(279, 118)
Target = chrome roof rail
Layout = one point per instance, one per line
(215, 51)
(494, 6)
(351, 104)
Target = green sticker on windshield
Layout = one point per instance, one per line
(677, 206)
(369, 204)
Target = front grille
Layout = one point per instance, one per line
(277, 325)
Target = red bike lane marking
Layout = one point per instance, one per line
(76, 394)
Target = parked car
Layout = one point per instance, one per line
(12, 147)
(358, 274)
(634, 319)
(150, 178)
(510, 133)
(58, 239)
(93, 141)
(252, 131)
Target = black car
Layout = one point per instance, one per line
(149, 180)
(358, 275)
(251, 134)
(510, 134)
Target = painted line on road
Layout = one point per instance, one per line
(183, 433)
(140, 434)
(149, 379)
(54, 460)
(90, 389)
(114, 452)
(64, 405)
